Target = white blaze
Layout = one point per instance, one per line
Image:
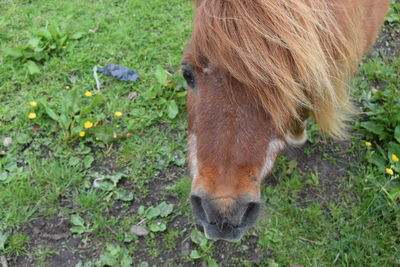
(193, 163)
(274, 147)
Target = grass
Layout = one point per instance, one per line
(327, 204)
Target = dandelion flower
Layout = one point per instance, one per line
(88, 93)
(88, 124)
(33, 103)
(82, 134)
(389, 171)
(368, 144)
(118, 114)
(395, 158)
(32, 115)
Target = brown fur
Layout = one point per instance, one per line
(290, 55)
(262, 66)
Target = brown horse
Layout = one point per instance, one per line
(256, 70)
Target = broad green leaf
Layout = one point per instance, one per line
(45, 33)
(3, 239)
(181, 94)
(77, 229)
(161, 75)
(159, 227)
(165, 209)
(33, 43)
(87, 161)
(141, 210)
(113, 249)
(374, 128)
(54, 31)
(15, 52)
(397, 133)
(75, 131)
(74, 101)
(50, 112)
(4, 176)
(394, 194)
(373, 158)
(74, 161)
(126, 260)
(33, 68)
(23, 138)
(63, 40)
(153, 212)
(195, 254)
(143, 264)
(393, 148)
(116, 178)
(104, 133)
(86, 110)
(83, 150)
(76, 36)
(212, 263)
(172, 109)
(105, 185)
(98, 100)
(64, 121)
(77, 220)
(129, 237)
(198, 238)
(123, 195)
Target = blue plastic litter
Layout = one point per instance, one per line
(119, 72)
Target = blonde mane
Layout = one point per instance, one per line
(293, 56)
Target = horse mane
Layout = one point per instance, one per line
(290, 55)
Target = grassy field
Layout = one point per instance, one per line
(98, 178)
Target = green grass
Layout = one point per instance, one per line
(98, 186)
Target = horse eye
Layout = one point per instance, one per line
(188, 74)
(189, 77)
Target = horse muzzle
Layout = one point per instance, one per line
(225, 218)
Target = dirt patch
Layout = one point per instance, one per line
(53, 234)
(388, 41)
(328, 162)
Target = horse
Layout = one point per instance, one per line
(256, 70)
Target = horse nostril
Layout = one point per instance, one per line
(198, 207)
(251, 213)
(223, 213)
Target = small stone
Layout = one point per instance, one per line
(139, 230)
(185, 248)
(132, 96)
(7, 141)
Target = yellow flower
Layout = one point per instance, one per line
(67, 87)
(82, 134)
(389, 171)
(64, 47)
(368, 144)
(32, 115)
(395, 158)
(88, 93)
(88, 124)
(33, 103)
(118, 113)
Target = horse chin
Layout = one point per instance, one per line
(213, 232)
